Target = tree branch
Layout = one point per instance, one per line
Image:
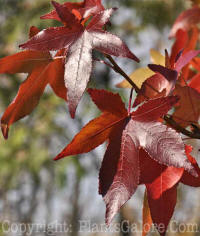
(180, 129)
(117, 69)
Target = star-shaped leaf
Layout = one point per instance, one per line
(127, 134)
(80, 41)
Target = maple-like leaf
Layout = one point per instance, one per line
(42, 70)
(186, 20)
(127, 134)
(80, 41)
(80, 10)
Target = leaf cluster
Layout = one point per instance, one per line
(145, 145)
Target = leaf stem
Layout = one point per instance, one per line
(169, 120)
(180, 129)
(130, 100)
(117, 69)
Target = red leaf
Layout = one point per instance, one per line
(186, 20)
(119, 174)
(55, 75)
(158, 178)
(110, 161)
(184, 42)
(162, 208)
(42, 70)
(26, 100)
(187, 178)
(33, 31)
(80, 42)
(180, 43)
(67, 5)
(113, 102)
(92, 135)
(53, 38)
(195, 82)
(188, 109)
(64, 14)
(170, 75)
(126, 177)
(161, 184)
(155, 108)
(23, 62)
(81, 10)
(91, 7)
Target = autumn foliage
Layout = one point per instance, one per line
(145, 144)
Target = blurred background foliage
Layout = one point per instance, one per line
(34, 188)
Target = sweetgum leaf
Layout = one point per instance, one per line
(42, 70)
(80, 42)
(126, 177)
(120, 170)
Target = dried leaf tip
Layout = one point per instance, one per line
(5, 130)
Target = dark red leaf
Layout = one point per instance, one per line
(170, 75)
(54, 38)
(162, 208)
(64, 14)
(188, 109)
(126, 178)
(119, 174)
(108, 102)
(80, 42)
(155, 108)
(70, 6)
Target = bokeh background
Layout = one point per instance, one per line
(33, 188)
